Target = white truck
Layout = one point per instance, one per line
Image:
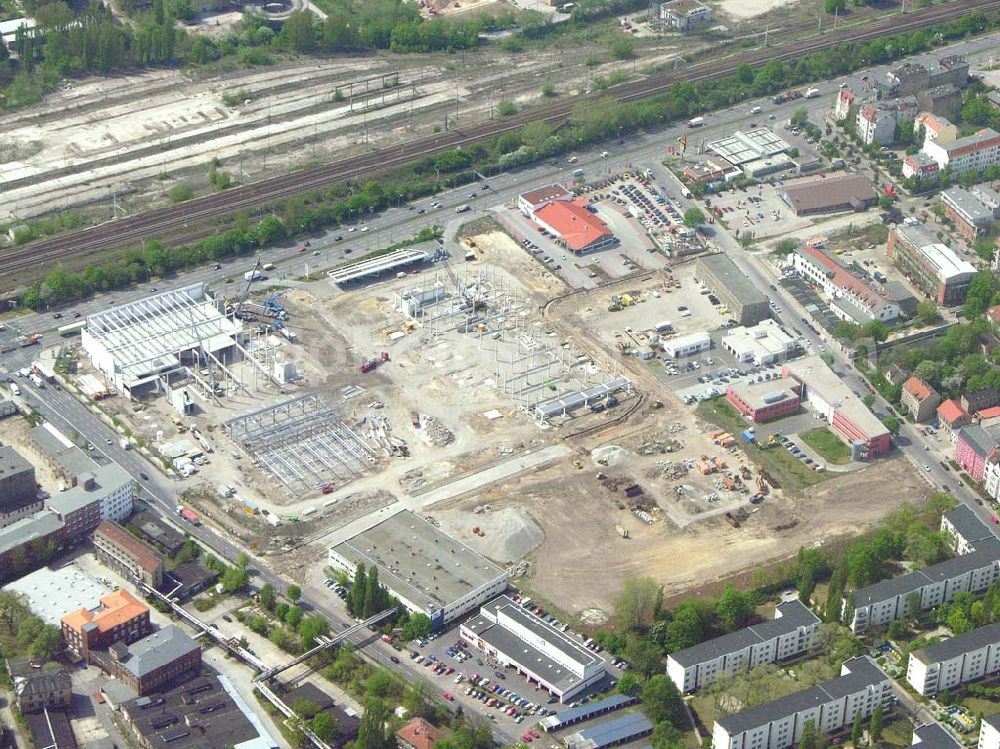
(124, 444)
(253, 275)
(811, 93)
(36, 380)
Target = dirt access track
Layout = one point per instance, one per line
(582, 562)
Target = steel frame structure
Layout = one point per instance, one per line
(302, 442)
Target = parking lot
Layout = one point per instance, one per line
(757, 209)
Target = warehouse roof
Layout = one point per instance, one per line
(743, 147)
(830, 194)
(945, 263)
(611, 732)
(418, 562)
(959, 644)
(725, 272)
(90, 488)
(53, 593)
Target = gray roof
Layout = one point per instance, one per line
(11, 461)
(157, 650)
(107, 480)
(793, 614)
(933, 736)
(725, 272)
(418, 562)
(987, 551)
(981, 440)
(611, 732)
(71, 459)
(959, 644)
(862, 672)
(967, 202)
(36, 525)
(993, 720)
(968, 524)
(41, 683)
(829, 193)
(576, 714)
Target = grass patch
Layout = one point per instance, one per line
(978, 705)
(897, 733)
(828, 445)
(790, 472)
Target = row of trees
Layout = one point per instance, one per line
(28, 634)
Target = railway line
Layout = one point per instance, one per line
(185, 222)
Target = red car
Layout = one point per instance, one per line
(449, 670)
(328, 488)
(527, 737)
(449, 696)
(534, 733)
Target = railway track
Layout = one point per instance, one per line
(71, 250)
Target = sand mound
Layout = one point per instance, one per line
(609, 455)
(511, 534)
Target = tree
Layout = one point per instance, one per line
(857, 730)
(418, 625)
(875, 725)
(305, 709)
(298, 32)
(294, 593)
(693, 218)
(48, 643)
(929, 371)
(234, 579)
(661, 702)
(644, 656)
(628, 683)
(622, 49)
(180, 193)
(808, 740)
(638, 602)
(379, 684)
(259, 625)
(734, 608)
(876, 330)
(927, 311)
(506, 108)
(372, 729)
(267, 596)
(293, 616)
(356, 596)
(666, 736)
(892, 424)
(325, 727)
(799, 117)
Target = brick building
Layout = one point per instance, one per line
(18, 491)
(418, 734)
(934, 268)
(972, 211)
(127, 555)
(920, 399)
(121, 618)
(155, 660)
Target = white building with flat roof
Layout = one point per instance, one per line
(546, 656)
(764, 343)
(687, 345)
(53, 593)
(989, 732)
(427, 570)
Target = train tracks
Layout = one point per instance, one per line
(186, 222)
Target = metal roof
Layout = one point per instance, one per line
(576, 714)
(374, 266)
(611, 732)
(566, 403)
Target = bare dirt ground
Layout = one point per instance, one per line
(583, 561)
(743, 9)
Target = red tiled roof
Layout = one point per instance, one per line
(917, 388)
(144, 555)
(843, 279)
(117, 607)
(578, 227)
(420, 734)
(990, 413)
(950, 411)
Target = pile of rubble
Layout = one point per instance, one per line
(521, 569)
(665, 469)
(438, 434)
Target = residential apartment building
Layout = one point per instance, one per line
(913, 77)
(36, 688)
(933, 736)
(975, 568)
(128, 555)
(746, 302)
(18, 491)
(877, 121)
(949, 663)
(121, 618)
(791, 633)
(934, 268)
(975, 152)
(860, 688)
(418, 734)
(920, 399)
(975, 446)
(934, 127)
(921, 166)
(989, 732)
(972, 210)
(845, 100)
(851, 297)
(951, 417)
(155, 660)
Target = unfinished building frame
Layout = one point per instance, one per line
(149, 344)
(302, 442)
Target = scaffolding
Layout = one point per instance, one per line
(303, 443)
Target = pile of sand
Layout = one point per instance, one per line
(510, 533)
(609, 455)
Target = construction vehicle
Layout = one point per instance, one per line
(621, 531)
(374, 362)
(731, 519)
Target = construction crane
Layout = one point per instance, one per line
(250, 276)
(271, 304)
(470, 302)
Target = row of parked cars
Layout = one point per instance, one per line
(337, 588)
(534, 249)
(798, 453)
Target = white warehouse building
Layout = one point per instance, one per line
(764, 343)
(428, 571)
(544, 655)
(687, 345)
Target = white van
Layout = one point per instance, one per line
(15, 389)
(268, 266)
